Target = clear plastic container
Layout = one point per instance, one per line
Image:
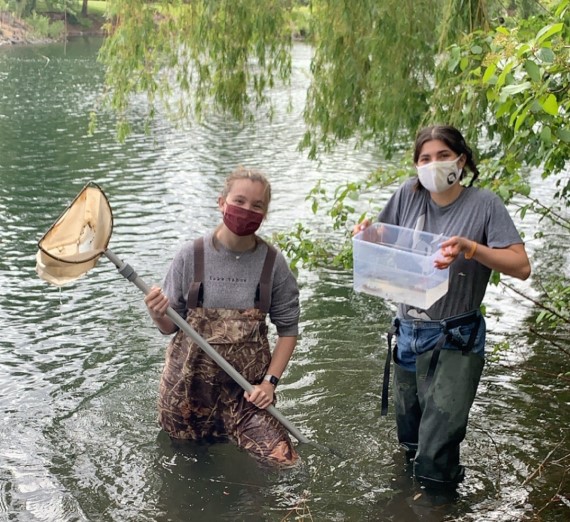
(397, 263)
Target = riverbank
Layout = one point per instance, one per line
(15, 31)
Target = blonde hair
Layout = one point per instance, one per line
(247, 173)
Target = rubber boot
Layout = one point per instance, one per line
(407, 408)
(445, 408)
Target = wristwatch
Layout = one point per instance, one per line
(271, 378)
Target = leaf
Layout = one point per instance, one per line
(503, 75)
(476, 49)
(564, 135)
(550, 105)
(521, 118)
(546, 55)
(504, 108)
(523, 49)
(533, 70)
(548, 31)
(516, 88)
(546, 135)
(489, 73)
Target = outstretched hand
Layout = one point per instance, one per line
(450, 249)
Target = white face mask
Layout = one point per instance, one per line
(438, 176)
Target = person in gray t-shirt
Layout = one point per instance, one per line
(439, 351)
(225, 284)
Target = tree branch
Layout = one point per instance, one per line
(535, 302)
(541, 465)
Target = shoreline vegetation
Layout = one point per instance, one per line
(45, 26)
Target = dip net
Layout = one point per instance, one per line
(73, 244)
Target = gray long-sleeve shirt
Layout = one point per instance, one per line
(230, 281)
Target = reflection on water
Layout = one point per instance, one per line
(79, 366)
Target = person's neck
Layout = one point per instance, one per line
(232, 242)
(442, 199)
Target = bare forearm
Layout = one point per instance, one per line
(262, 394)
(165, 325)
(511, 261)
(281, 355)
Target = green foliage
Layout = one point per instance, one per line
(333, 249)
(97, 7)
(370, 71)
(301, 22)
(513, 90)
(557, 297)
(42, 27)
(207, 54)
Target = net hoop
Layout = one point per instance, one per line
(73, 244)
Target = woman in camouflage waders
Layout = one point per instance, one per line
(439, 352)
(225, 283)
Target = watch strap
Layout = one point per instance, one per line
(271, 378)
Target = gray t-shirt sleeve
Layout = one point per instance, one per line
(500, 229)
(178, 278)
(285, 310)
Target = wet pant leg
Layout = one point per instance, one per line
(445, 406)
(407, 407)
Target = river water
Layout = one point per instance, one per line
(79, 366)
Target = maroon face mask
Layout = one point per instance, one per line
(241, 221)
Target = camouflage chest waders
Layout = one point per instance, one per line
(197, 399)
(432, 403)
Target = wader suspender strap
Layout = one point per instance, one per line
(465, 348)
(196, 293)
(263, 290)
(262, 293)
(386, 379)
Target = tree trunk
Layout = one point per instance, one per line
(84, 8)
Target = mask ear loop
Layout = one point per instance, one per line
(462, 170)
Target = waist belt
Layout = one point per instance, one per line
(447, 324)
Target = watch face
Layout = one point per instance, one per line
(272, 379)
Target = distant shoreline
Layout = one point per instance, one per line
(15, 31)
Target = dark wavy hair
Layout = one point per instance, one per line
(454, 140)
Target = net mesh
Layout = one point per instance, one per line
(73, 244)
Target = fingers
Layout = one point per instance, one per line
(359, 227)
(156, 302)
(259, 397)
(450, 249)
